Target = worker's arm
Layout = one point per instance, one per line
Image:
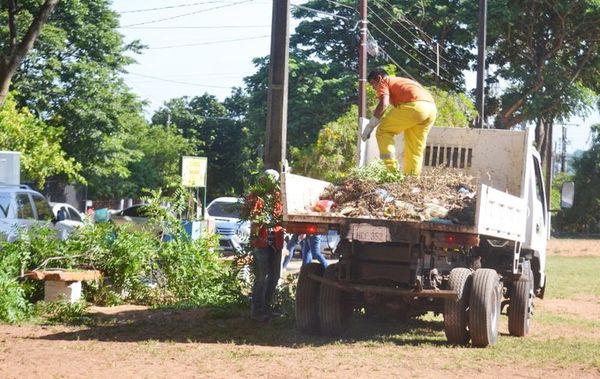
(384, 102)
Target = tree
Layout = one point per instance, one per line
(547, 54)
(15, 43)
(585, 214)
(407, 33)
(216, 132)
(71, 78)
(38, 143)
(157, 165)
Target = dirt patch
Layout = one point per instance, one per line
(585, 309)
(574, 247)
(133, 341)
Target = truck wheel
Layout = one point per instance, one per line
(335, 309)
(456, 311)
(484, 307)
(307, 299)
(520, 306)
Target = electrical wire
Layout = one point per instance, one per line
(199, 27)
(429, 69)
(406, 41)
(341, 5)
(208, 43)
(170, 7)
(185, 14)
(177, 81)
(405, 19)
(320, 12)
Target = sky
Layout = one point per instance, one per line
(207, 46)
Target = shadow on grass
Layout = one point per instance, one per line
(196, 326)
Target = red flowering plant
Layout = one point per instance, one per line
(262, 207)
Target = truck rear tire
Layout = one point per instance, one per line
(484, 308)
(456, 314)
(335, 309)
(520, 306)
(307, 299)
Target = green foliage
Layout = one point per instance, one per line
(454, 109)
(137, 266)
(213, 130)
(262, 205)
(585, 214)
(63, 312)
(71, 79)
(376, 171)
(39, 144)
(14, 306)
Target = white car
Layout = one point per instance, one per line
(73, 218)
(23, 208)
(233, 233)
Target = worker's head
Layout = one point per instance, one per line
(272, 174)
(376, 75)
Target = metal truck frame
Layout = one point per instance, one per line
(466, 272)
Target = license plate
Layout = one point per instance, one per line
(370, 233)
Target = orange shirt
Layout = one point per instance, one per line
(402, 90)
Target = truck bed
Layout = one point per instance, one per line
(498, 215)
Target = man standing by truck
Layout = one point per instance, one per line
(262, 207)
(414, 113)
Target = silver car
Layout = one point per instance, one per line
(233, 232)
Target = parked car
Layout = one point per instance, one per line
(233, 232)
(73, 218)
(137, 215)
(23, 208)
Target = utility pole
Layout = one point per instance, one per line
(563, 154)
(481, 45)
(362, 61)
(277, 96)
(362, 76)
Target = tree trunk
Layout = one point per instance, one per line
(9, 63)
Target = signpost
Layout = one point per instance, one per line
(193, 174)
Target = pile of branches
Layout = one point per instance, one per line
(440, 195)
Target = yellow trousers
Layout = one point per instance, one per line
(415, 120)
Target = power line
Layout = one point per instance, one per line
(177, 81)
(208, 43)
(341, 5)
(171, 7)
(411, 56)
(186, 14)
(321, 12)
(403, 39)
(405, 19)
(198, 27)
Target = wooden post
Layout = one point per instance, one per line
(277, 96)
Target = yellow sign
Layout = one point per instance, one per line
(193, 171)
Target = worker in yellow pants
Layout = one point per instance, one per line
(414, 113)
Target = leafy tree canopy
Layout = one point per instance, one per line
(39, 144)
(585, 214)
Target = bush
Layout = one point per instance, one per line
(137, 267)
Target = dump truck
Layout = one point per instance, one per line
(468, 273)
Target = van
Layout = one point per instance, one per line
(23, 208)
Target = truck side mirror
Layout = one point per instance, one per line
(567, 193)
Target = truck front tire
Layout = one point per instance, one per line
(335, 309)
(484, 308)
(456, 311)
(520, 306)
(307, 299)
